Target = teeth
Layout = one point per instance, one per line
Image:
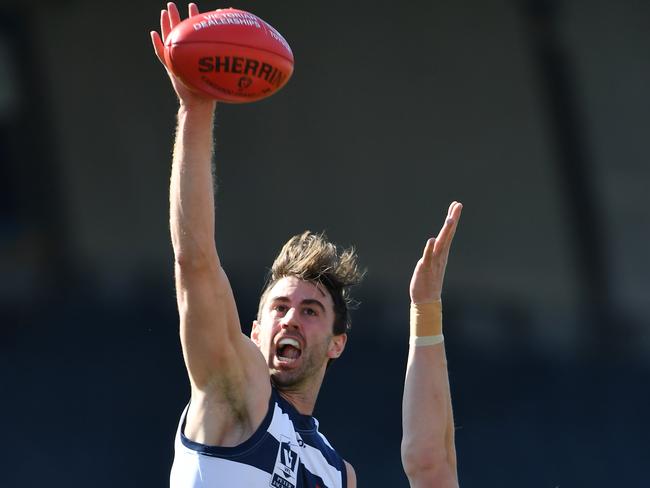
(288, 341)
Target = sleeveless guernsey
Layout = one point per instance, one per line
(286, 451)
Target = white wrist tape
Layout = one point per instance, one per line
(426, 340)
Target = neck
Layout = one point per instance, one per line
(302, 395)
(302, 401)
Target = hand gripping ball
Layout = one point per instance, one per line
(229, 55)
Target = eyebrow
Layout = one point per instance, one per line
(306, 301)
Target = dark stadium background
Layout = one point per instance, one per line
(535, 114)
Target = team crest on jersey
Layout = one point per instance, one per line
(285, 473)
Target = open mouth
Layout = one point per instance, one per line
(288, 349)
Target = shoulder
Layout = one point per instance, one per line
(351, 475)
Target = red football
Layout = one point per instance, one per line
(230, 55)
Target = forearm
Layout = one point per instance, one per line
(191, 188)
(428, 448)
(428, 451)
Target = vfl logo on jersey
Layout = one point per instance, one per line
(286, 466)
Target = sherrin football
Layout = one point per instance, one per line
(229, 55)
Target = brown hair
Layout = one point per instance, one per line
(311, 257)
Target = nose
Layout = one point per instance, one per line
(290, 319)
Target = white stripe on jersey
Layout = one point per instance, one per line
(280, 423)
(194, 470)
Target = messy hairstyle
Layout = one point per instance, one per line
(311, 257)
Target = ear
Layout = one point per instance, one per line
(337, 346)
(255, 332)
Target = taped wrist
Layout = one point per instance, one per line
(426, 323)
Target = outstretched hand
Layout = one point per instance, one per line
(170, 18)
(429, 273)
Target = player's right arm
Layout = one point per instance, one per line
(228, 376)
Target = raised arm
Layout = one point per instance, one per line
(428, 449)
(223, 365)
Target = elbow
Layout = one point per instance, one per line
(429, 466)
(195, 261)
(192, 250)
(419, 458)
(184, 261)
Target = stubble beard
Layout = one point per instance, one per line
(294, 379)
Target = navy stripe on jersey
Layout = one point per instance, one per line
(262, 454)
(241, 449)
(310, 478)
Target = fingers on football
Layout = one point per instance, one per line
(170, 18)
(174, 16)
(158, 46)
(164, 25)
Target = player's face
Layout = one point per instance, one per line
(295, 331)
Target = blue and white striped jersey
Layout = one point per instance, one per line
(287, 451)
